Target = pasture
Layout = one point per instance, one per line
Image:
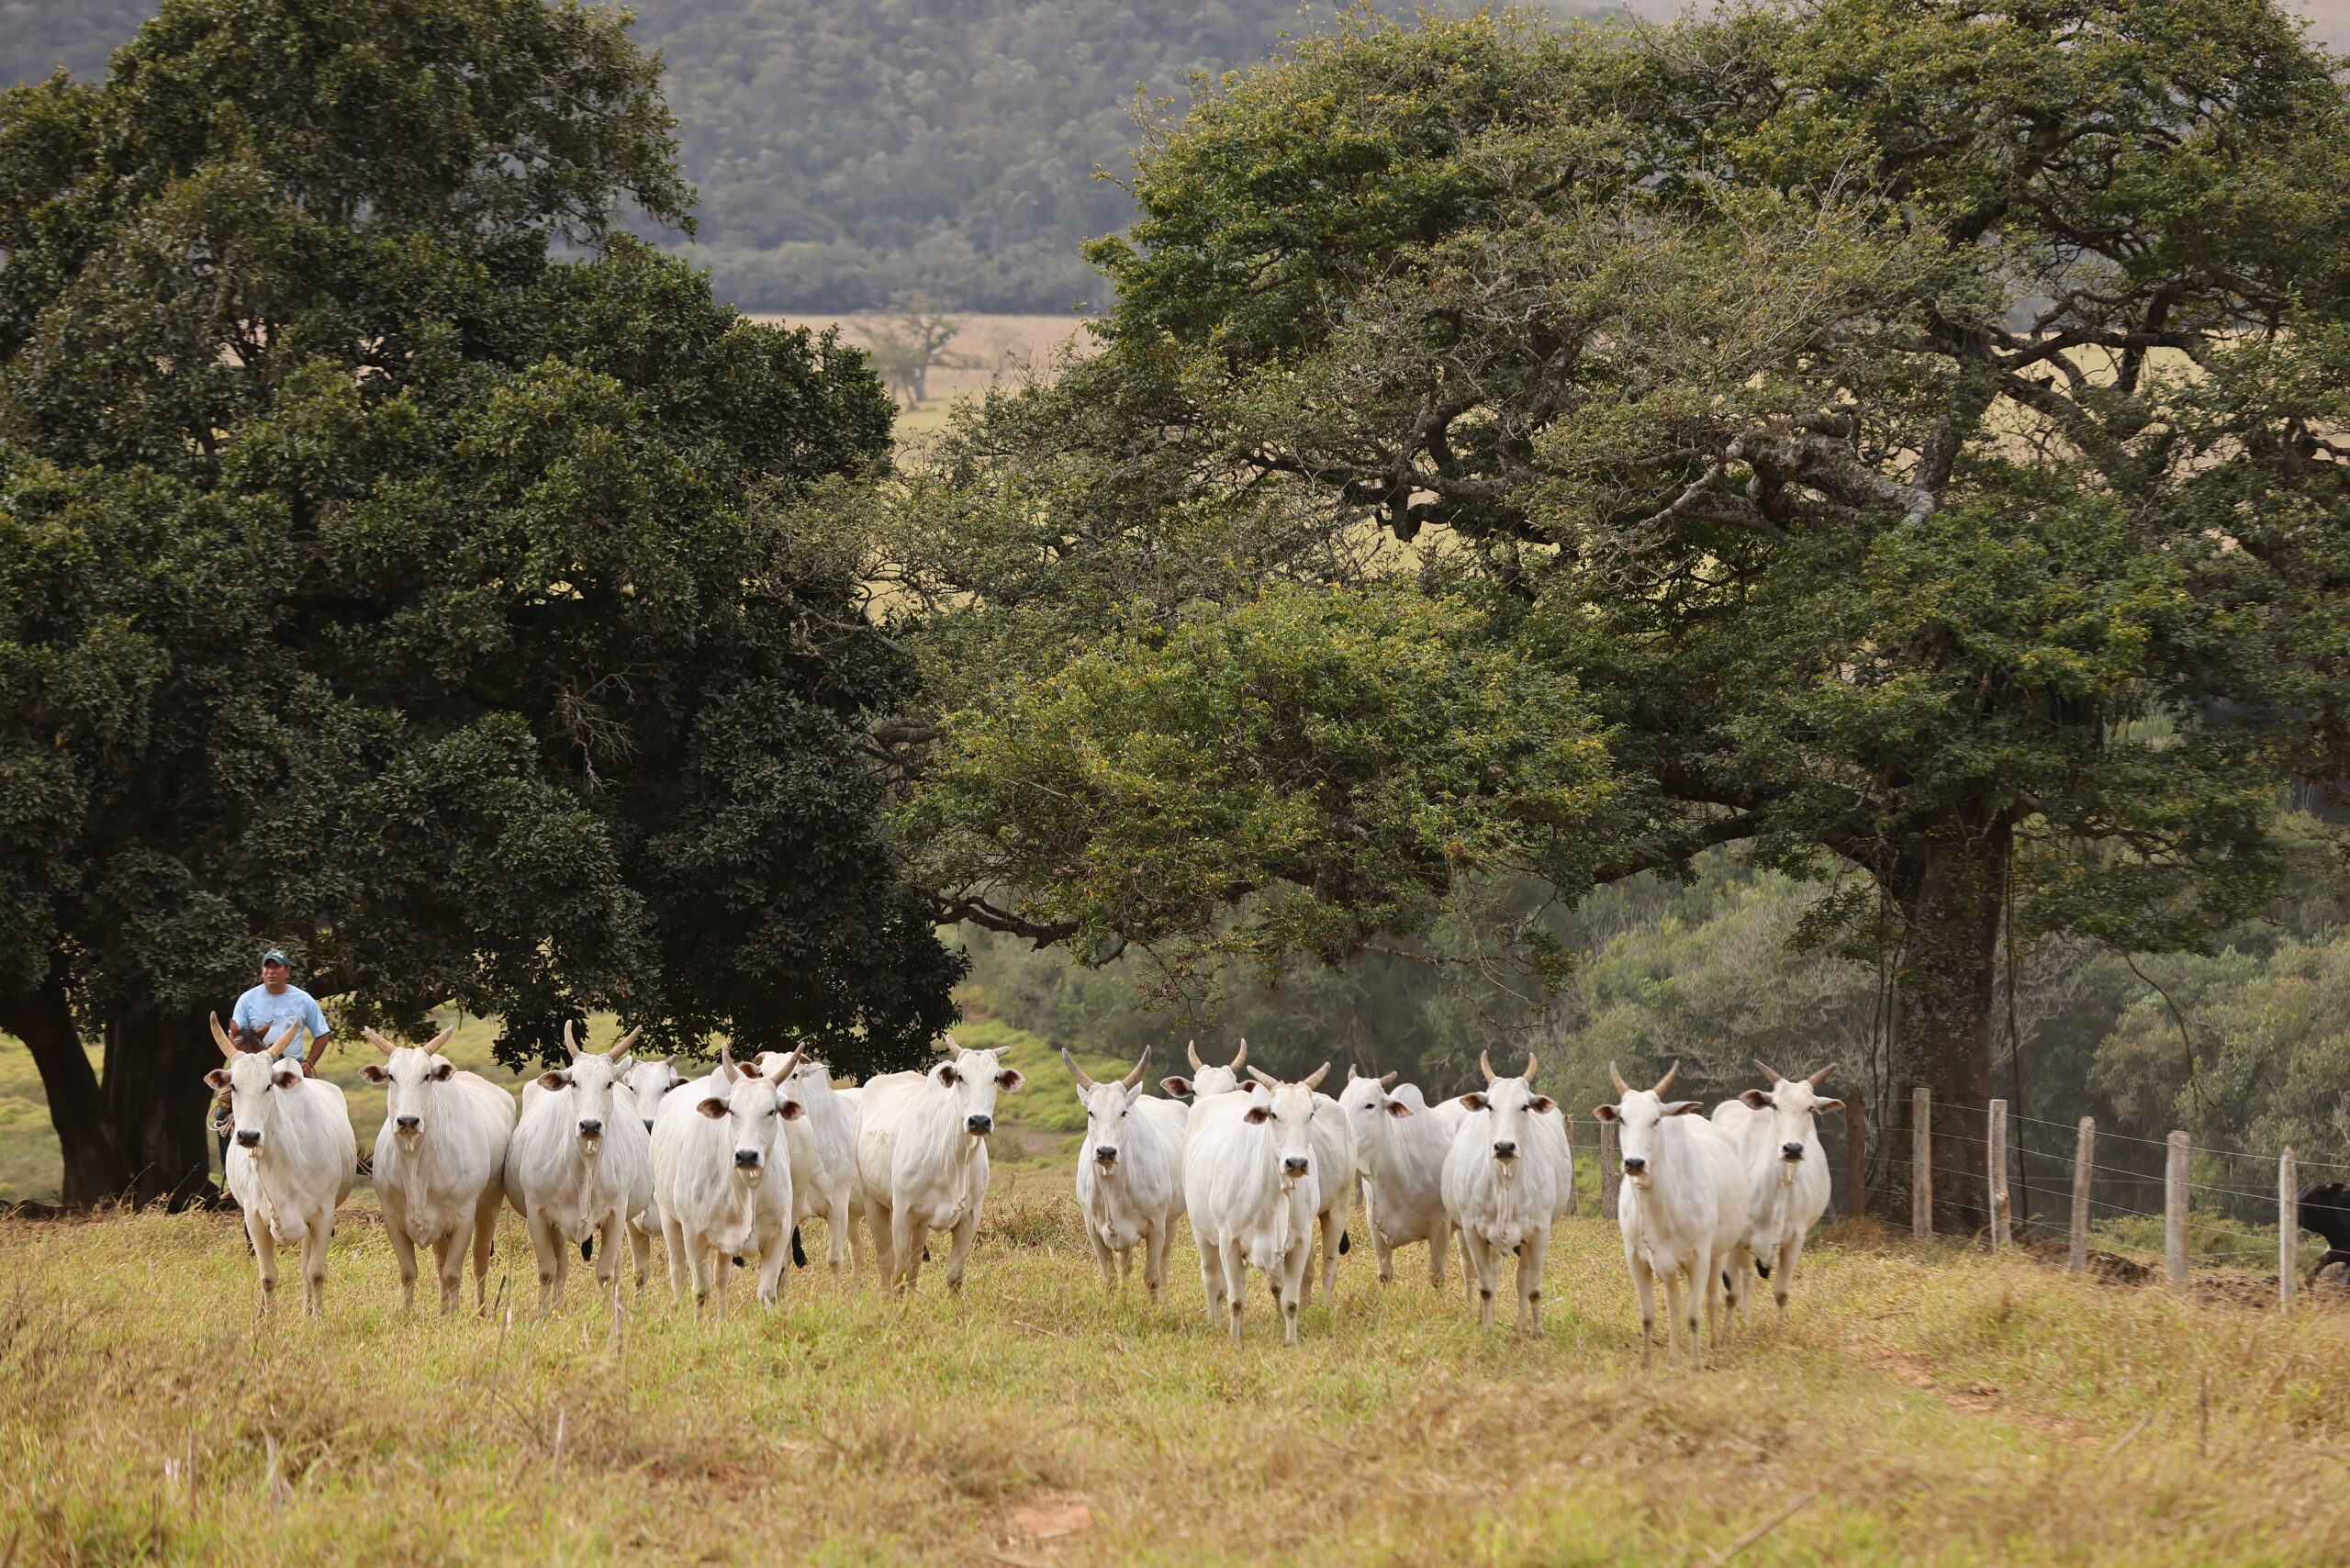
(1930, 1404)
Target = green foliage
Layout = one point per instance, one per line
(848, 153)
(373, 581)
(1896, 414)
(1337, 759)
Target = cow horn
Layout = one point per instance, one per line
(570, 1043)
(1240, 1060)
(1666, 1082)
(1266, 1080)
(1485, 1065)
(1822, 1075)
(1084, 1084)
(1387, 1079)
(1532, 1064)
(1351, 1073)
(378, 1041)
(1621, 1087)
(220, 1038)
(627, 1040)
(278, 1047)
(945, 1045)
(1313, 1081)
(1194, 1046)
(1134, 1078)
(1770, 1074)
(439, 1040)
(786, 1068)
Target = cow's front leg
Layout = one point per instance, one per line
(966, 1230)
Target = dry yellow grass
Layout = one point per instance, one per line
(1943, 1407)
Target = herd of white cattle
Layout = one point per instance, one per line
(725, 1166)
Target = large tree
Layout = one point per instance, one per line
(378, 582)
(1907, 419)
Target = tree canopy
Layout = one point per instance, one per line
(1905, 420)
(376, 584)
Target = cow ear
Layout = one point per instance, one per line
(713, 1107)
(218, 1078)
(1826, 1105)
(1683, 1107)
(555, 1080)
(1397, 1108)
(1541, 1105)
(1475, 1102)
(1178, 1087)
(791, 1110)
(1257, 1116)
(445, 1072)
(944, 1073)
(287, 1075)
(1009, 1079)
(1606, 1112)
(1755, 1100)
(373, 1073)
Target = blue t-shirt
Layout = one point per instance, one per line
(258, 1010)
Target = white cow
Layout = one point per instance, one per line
(1252, 1193)
(1401, 1143)
(645, 1084)
(1206, 1081)
(721, 1172)
(922, 1156)
(1777, 1140)
(1681, 1208)
(1334, 1151)
(1500, 1186)
(440, 1164)
(579, 1167)
(1549, 1130)
(290, 1162)
(1129, 1173)
(824, 1156)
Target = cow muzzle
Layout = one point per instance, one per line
(247, 1138)
(746, 1159)
(1634, 1164)
(407, 1123)
(1791, 1151)
(1105, 1156)
(1295, 1165)
(1504, 1150)
(591, 1129)
(979, 1126)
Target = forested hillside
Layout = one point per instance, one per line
(851, 151)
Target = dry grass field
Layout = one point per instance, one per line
(1934, 1406)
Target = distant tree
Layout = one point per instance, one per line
(907, 344)
(1907, 419)
(375, 585)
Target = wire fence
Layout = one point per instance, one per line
(2221, 1213)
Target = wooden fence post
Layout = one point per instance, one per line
(2175, 1170)
(1856, 1156)
(2083, 1164)
(1995, 1142)
(1608, 1173)
(1574, 1191)
(2288, 1227)
(1921, 1161)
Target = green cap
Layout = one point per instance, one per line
(277, 955)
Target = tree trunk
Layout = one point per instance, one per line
(96, 1170)
(156, 1099)
(1948, 881)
